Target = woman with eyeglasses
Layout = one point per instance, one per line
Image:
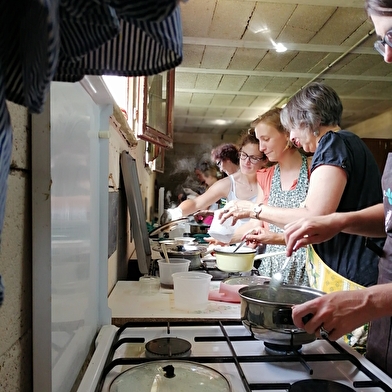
(339, 312)
(283, 185)
(344, 177)
(240, 185)
(226, 158)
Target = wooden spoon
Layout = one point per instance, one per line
(164, 250)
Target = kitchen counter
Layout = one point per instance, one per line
(128, 304)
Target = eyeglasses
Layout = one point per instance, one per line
(380, 44)
(253, 159)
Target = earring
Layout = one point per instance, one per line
(316, 133)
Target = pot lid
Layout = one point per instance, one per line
(168, 376)
(168, 226)
(182, 249)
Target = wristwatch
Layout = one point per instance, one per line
(257, 210)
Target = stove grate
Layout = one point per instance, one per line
(341, 355)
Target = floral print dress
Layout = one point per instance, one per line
(295, 272)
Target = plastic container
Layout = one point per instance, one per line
(191, 290)
(149, 285)
(222, 232)
(167, 269)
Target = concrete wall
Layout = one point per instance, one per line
(15, 264)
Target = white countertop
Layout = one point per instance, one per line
(128, 304)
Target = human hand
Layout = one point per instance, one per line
(213, 241)
(259, 236)
(337, 313)
(312, 230)
(238, 209)
(174, 213)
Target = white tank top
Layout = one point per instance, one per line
(232, 196)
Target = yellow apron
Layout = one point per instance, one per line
(322, 277)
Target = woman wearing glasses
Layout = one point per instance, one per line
(344, 177)
(226, 158)
(240, 185)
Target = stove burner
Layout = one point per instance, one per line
(168, 347)
(281, 349)
(319, 385)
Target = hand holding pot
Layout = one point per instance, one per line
(337, 313)
(238, 209)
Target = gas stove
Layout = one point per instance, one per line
(230, 349)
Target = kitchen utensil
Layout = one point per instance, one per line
(243, 241)
(167, 269)
(239, 245)
(241, 261)
(199, 229)
(164, 251)
(190, 251)
(170, 375)
(168, 226)
(184, 240)
(271, 320)
(191, 290)
(277, 279)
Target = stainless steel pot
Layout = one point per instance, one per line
(191, 252)
(271, 320)
(196, 228)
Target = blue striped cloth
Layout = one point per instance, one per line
(63, 40)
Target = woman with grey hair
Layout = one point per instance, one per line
(344, 177)
(341, 311)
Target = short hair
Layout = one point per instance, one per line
(315, 105)
(207, 168)
(225, 151)
(379, 7)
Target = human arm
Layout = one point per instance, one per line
(342, 311)
(217, 191)
(325, 180)
(368, 222)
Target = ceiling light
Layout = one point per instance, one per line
(261, 29)
(280, 48)
(221, 122)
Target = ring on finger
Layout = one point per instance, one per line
(324, 333)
